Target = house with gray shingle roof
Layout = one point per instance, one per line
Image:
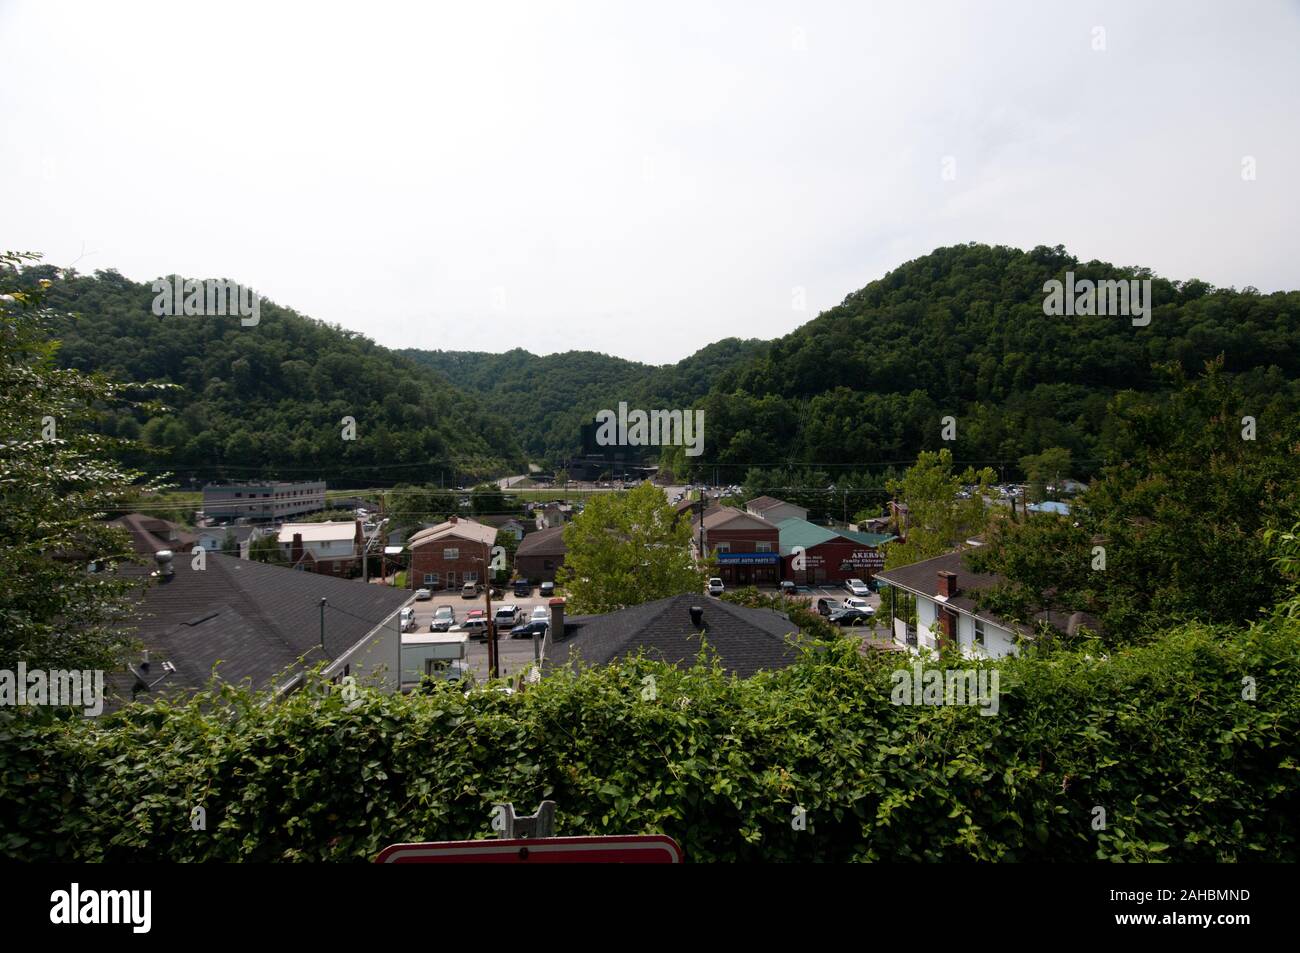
(672, 630)
(259, 625)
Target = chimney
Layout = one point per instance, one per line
(697, 616)
(295, 551)
(556, 630)
(452, 519)
(947, 584)
(163, 558)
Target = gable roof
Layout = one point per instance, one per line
(251, 622)
(149, 534)
(764, 503)
(796, 532)
(545, 542)
(745, 640)
(458, 528)
(329, 532)
(922, 578)
(724, 516)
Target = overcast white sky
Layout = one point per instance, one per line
(639, 179)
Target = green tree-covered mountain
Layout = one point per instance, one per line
(962, 332)
(547, 399)
(270, 400)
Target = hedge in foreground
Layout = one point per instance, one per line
(1159, 738)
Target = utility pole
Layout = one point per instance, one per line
(322, 625)
(492, 626)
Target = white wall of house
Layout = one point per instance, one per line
(376, 662)
(998, 641)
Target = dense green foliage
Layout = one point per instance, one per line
(57, 484)
(961, 332)
(269, 400)
(1160, 737)
(548, 399)
(625, 549)
(1182, 510)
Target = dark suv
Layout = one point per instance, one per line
(523, 587)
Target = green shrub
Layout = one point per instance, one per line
(1159, 736)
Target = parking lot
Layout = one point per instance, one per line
(516, 654)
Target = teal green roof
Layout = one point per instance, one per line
(868, 539)
(797, 532)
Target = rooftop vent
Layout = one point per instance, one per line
(697, 615)
(163, 558)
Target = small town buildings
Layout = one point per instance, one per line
(945, 594)
(774, 510)
(541, 554)
(550, 515)
(331, 548)
(262, 501)
(507, 525)
(450, 554)
(746, 547)
(256, 624)
(215, 538)
(672, 630)
(828, 556)
(149, 534)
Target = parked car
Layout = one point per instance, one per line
(787, 587)
(444, 617)
(407, 617)
(827, 607)
(849, 617)
(470, 590)
(540, 614)
(476, 629)
(853, 602)
(475, 614)
(523, 588)
(715, 587)
(423, 595)
(857, 587)
(508, 616)
(529, 629)
(547, 590)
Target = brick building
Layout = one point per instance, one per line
(828, 555)
(540, 555)
(746, 547)
(450, 554)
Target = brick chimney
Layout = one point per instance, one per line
(452, 519)
(295, 550)
(947, 584)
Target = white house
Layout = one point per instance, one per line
(331, 547)
(944, 591)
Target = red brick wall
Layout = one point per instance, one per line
(826, 558)
(428, 558)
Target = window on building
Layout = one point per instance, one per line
(979, 632)
(762, 547)
(450, 554)
(722, 547)
(435, 665)
(430, 578)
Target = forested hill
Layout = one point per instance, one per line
(269, 400)
(962, 331)
(547, 399)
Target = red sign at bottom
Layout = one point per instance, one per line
(635, 849)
